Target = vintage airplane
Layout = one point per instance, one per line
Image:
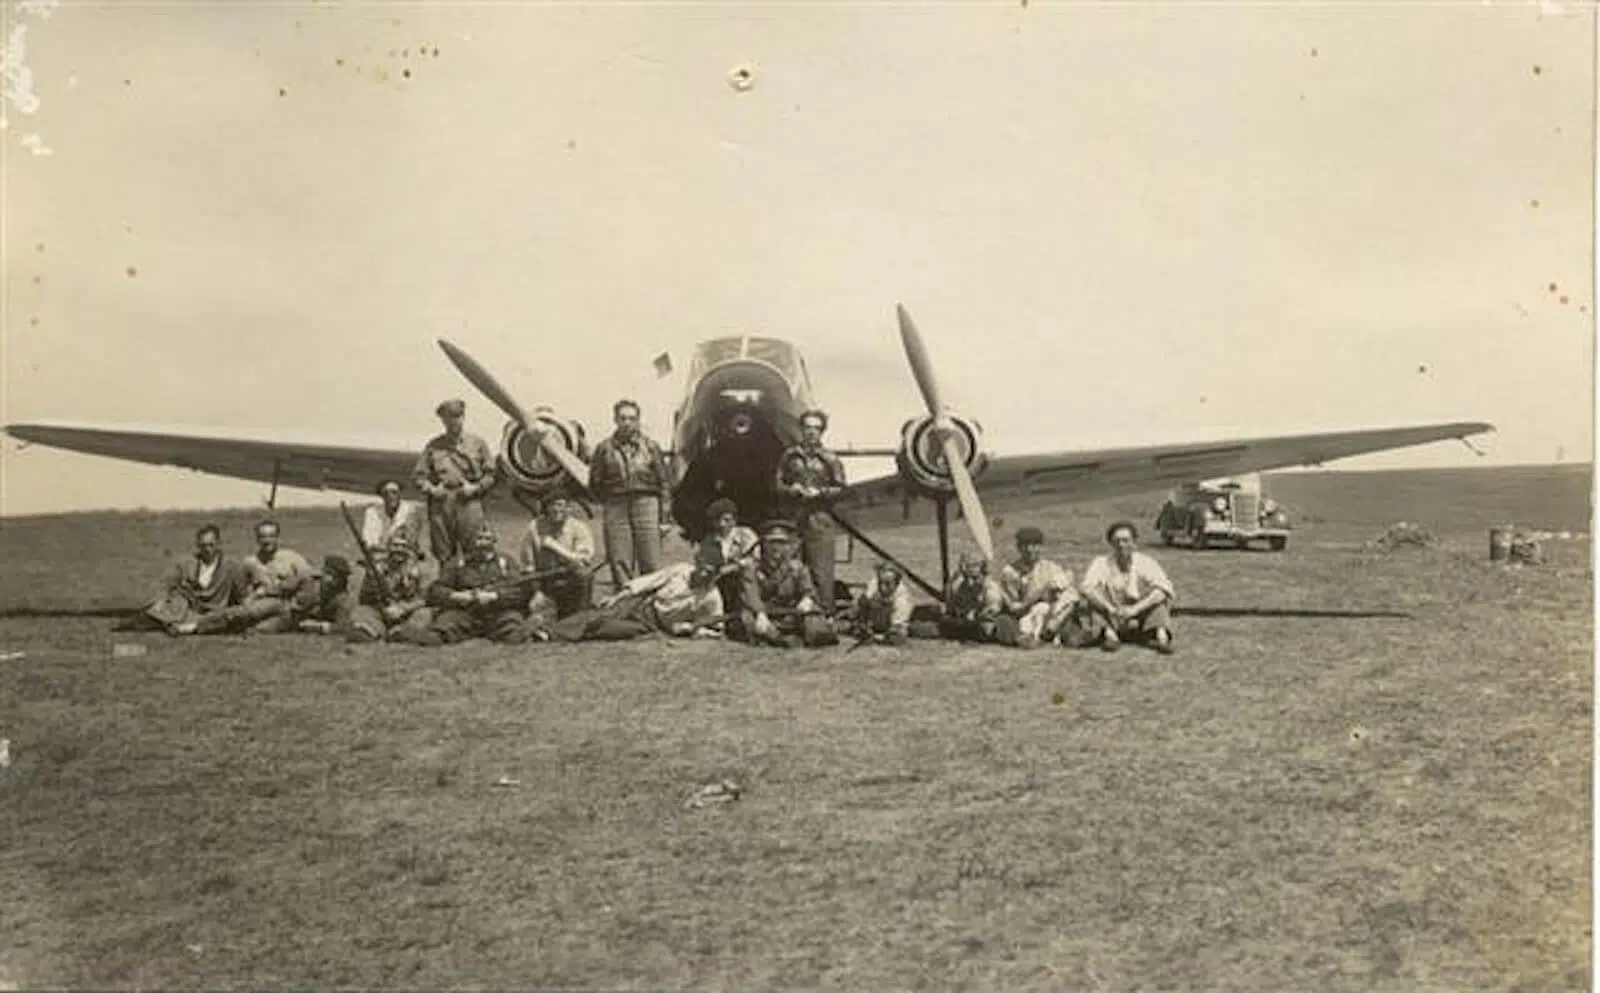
(740, 409)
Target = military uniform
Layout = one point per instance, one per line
(406, 612)
(503, 620)
(568, 585)
(781, 590)
(801, 466)
(455, 473)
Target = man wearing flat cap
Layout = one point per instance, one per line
(482, 594)
(1039, 595)
(778, 600)
(455, 471)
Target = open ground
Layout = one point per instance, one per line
(1292, 801)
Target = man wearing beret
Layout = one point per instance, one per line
(1039, 595)
(778, 601)
(482, 594)
(809, 479)
(455, 471)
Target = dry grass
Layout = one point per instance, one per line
(1311, 802)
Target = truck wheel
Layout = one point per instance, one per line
(1166, 537)
(1278, 543)
(1198, 540)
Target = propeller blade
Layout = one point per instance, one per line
(485, 382)
(971, 507)
(921, 365)
(496, 394)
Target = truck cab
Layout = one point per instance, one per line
(1230, 511)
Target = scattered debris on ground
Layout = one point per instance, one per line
(507, 781)
(725, 791)
(1403, 535)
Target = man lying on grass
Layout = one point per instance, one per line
(1125, 597)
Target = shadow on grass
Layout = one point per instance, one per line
(127, 615)
(1288, 612)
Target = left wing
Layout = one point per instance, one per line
(1096, 474)
(309, 465)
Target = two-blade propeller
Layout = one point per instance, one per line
(500, 397)
(944, 428)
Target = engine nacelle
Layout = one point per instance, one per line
(525, 461)
(921, 457)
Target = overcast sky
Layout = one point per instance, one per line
(1113, 222)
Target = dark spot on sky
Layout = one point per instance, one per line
(127, 82)
(38, 280)
(436, 51)
(39, 247)
(132, 271)
(1538, 70)
(405, 53)
(1422, 370)
(1202, 399)
(572, 143)
(1313, 53)
(339, 62)
(1533, 203)
(33, 322)
(1553, 287)
(1565, 300)
(282, 92)
(406, 73)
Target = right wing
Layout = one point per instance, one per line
(289, 462)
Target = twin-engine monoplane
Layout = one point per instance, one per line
(740, 410)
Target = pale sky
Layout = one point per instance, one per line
(1113, 222)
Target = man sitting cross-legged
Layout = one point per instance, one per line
(975, 605)
(207, 582)
(405, 613)
(1039, 595)
(483, 594)
(883, 610)
(777, 600)
(560, 548)
(1126, 595)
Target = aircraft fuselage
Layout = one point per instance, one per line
(741, 408)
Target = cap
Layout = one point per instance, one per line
(779, 530)
(1030, 536)
(454, 407)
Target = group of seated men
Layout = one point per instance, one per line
(738, 585)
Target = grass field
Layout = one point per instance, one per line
(1291, 802)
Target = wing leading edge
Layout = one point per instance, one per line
(315, 466)
(1097, 474)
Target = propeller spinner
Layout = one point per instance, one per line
(496, 394)
(922, 370)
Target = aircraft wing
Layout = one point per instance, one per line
(315, 466)
(1096, 474)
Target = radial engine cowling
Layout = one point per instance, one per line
(921, 457)
(524, 459)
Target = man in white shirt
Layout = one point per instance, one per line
(561, 547)
(1039, 595)
(1126, 595)
(389, 517)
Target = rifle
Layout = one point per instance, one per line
(518, 583)
(385, 595)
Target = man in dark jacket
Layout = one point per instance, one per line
(629, 476)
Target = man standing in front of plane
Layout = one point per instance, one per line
(455, 471)
(629, 476)
(809, 478)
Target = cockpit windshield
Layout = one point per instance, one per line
(777, 353)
